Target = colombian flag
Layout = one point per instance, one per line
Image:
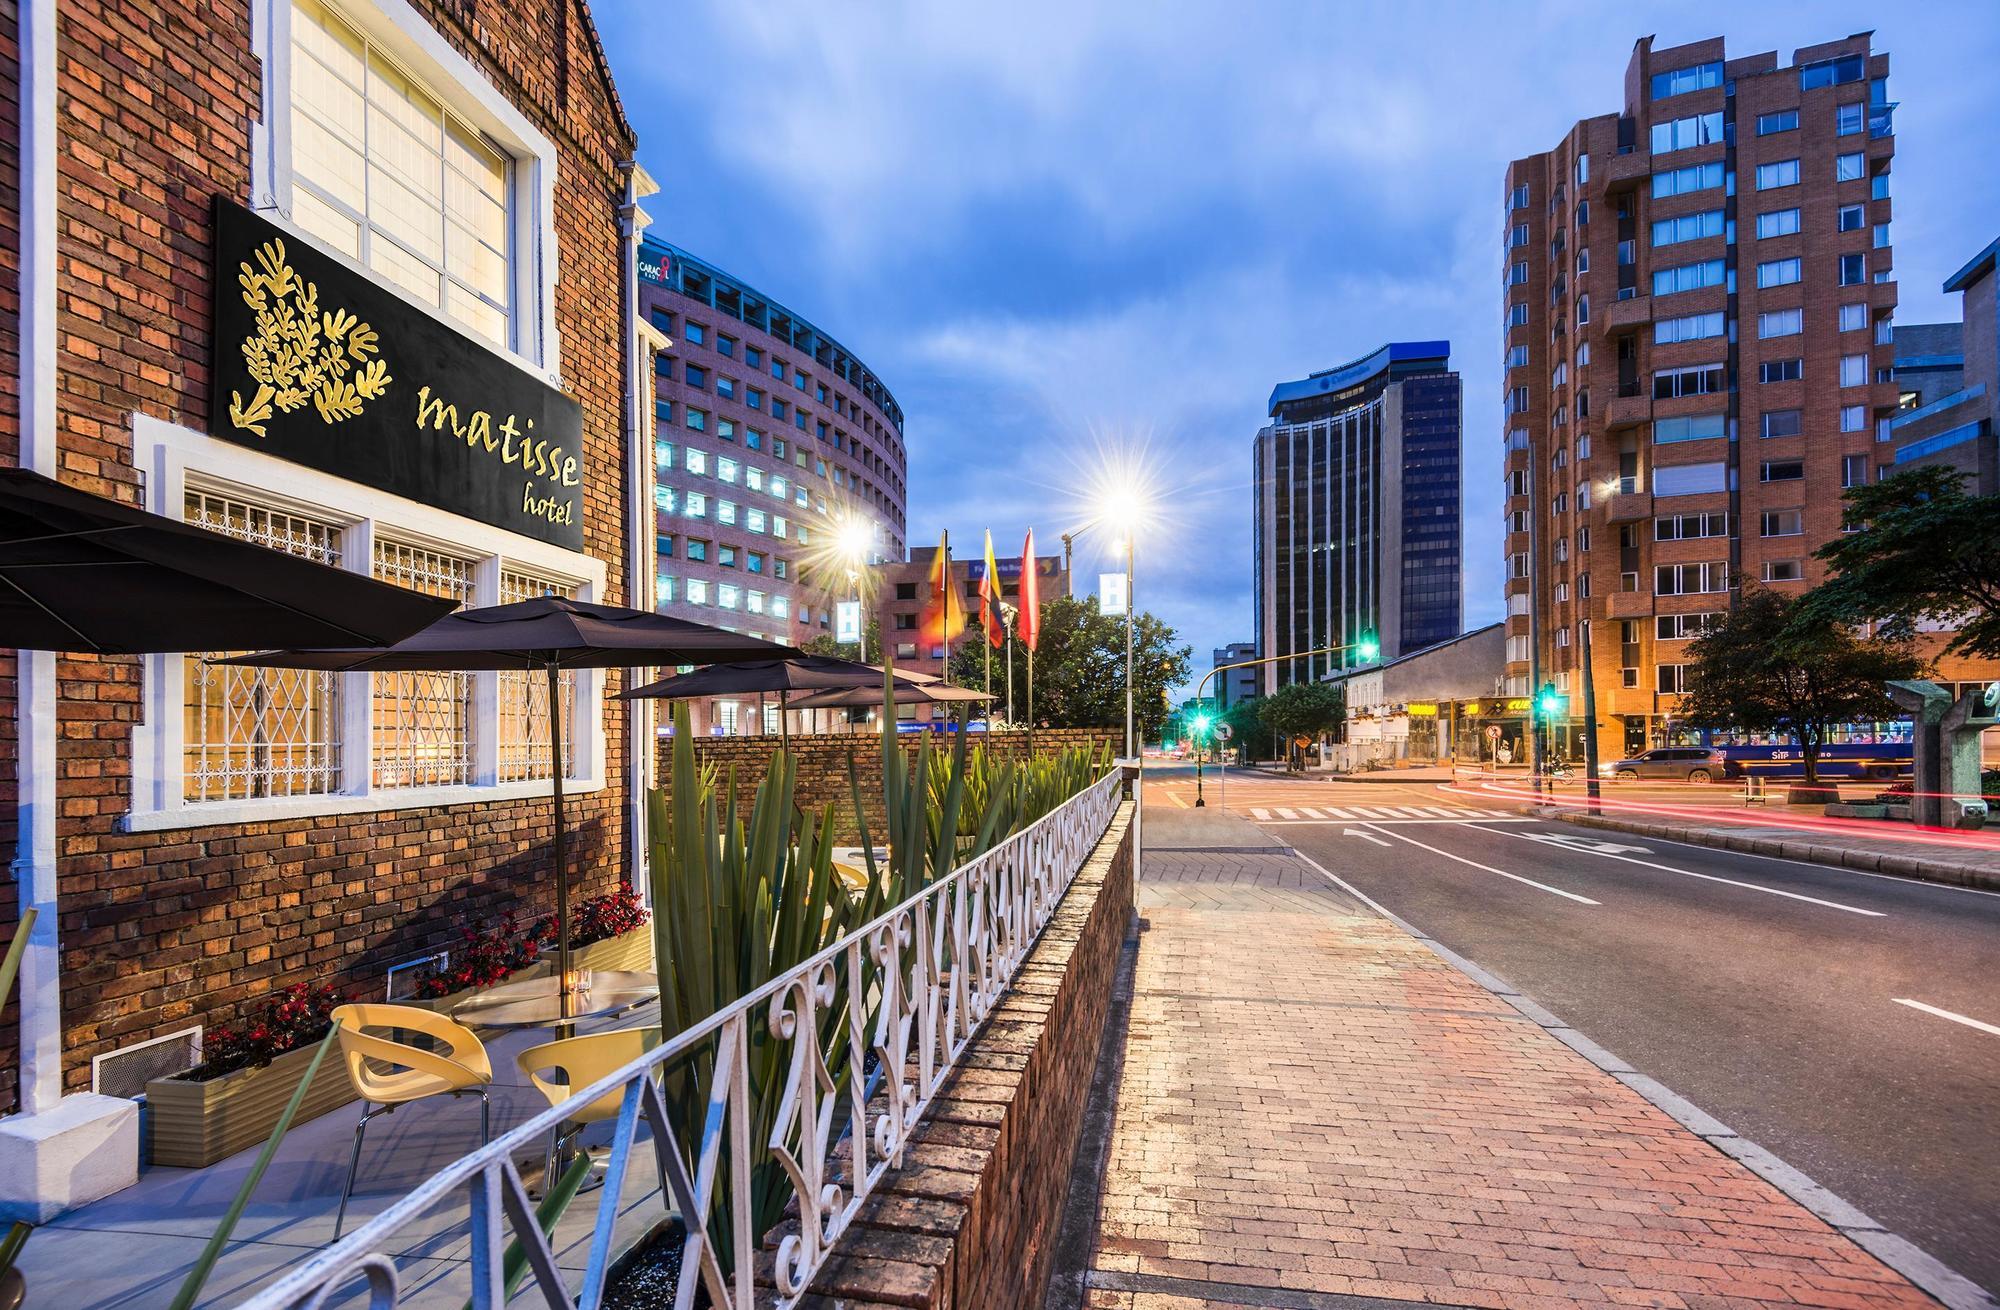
(989, 599)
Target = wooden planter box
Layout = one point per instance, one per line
(194, 1124)
(632, 950)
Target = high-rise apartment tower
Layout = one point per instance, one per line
(1697, 301)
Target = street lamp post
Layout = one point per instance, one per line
(1367, 645)
(1130, 752)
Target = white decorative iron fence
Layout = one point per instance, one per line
(898, 999)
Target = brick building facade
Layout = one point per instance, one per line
(221, 834)
(1698, 294)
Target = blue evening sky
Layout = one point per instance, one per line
(1061, 229)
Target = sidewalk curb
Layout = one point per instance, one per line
(1925, 1271)
(1800, 848)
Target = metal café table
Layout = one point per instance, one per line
(533, 1003)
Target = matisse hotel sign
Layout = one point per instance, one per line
(317, 364)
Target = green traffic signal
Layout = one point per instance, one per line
(1550, 703)
(1369, 646)
(1200, 724)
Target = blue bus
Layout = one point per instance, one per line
(1859, 751)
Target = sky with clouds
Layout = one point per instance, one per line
(1062, 230)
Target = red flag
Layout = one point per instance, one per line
(1031, 594)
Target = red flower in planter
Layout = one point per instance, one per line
(295, 1017)
(488, 956)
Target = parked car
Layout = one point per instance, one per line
(1680, 763)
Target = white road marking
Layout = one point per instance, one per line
(1356, 832)
(1706, 877)
(1338, 813)
(1287, 814)
(1487, 868)
(1829, 868)
(1576, 842)
(1448, 813)
(1327, 823)
(1947, 1014)
(1260, 813)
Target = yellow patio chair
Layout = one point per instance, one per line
(389, 1073)
(581, 1061)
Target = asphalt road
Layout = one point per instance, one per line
(1775, 995)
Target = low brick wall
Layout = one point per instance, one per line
(971, 1217)
(822, 763)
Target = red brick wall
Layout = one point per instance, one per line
(159, 930)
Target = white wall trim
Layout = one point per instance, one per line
(422, 50)
(173, 459)
(35, 868)
(220, 813)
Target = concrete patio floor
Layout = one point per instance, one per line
(133, 1249)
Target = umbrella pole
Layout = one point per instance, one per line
(1031, 701)
(563, 980)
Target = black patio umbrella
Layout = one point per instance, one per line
(82, 573)
(932, 693)
(549, 633)
(806, 673)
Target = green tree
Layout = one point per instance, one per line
(1303, 710)
(1771, 665)
(824, 644)
(1248, 733)
(1080, 668)
(1919, 548)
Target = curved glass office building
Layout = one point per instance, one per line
(1358, 518)
(770, 436)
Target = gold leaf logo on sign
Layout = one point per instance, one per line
(300, 353)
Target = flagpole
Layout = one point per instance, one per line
(1007, 622)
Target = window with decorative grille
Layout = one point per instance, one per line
(524, 698)
(254, 733)
(422, 721)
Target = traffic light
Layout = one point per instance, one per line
(1368, 646)
(1550, 704)
(1201, 725)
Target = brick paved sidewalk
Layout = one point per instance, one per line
(1316, 1111)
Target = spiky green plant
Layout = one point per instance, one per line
(741, 898)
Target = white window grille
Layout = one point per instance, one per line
(254, 733)
(524, 698)
(422, 721)
(385, 174)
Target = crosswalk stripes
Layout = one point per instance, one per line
(1352, 813)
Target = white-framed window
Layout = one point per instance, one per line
(1782, 172)
(382, 144)
(222, 745)
(1853, 418)
(256, 733)
(522, 698)
(1777, 223)
(422, 732)
(1778, 272)
(1854, 370)
(1780, 323)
